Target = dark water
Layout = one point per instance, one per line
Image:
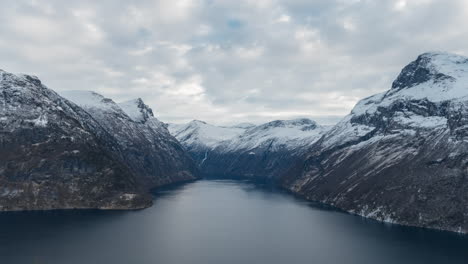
(220, 222)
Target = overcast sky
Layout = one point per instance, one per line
(228, 61)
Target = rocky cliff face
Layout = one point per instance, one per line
(148, 149)
(54, 155)
(261, 152)
(400, 156)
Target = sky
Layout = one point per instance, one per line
(228, 61)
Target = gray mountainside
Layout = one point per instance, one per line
(400, 156)
(262, 152)
(148, 149)
(54, 155)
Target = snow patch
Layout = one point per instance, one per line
(137, 110)
(41, 121)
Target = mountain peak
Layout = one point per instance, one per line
(431, 66)
(137, 110)
(198, 122)
(305, 123)
(433, 76)
(20, 80)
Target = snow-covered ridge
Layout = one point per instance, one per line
(414, 102)
(21, 90)
(435, 76)
(202, 134)
(135, 110)
(263, 151)
(244, 125)
(20, 82)
(90, 100)
(287, 134)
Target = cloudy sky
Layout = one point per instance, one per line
(228, 61)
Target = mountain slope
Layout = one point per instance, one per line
(148, 149)
(198, 137)
(54, 155)
(201, 135)
(400, 156)
(262, 152)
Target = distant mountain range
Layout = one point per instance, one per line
(260, 152)
(400, 156)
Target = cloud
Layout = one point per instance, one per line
(228, 61)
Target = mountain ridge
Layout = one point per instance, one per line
(54, 155)
(399, 156)
(253, 151)
(148, 148)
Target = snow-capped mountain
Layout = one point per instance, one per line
(200, 136)
(246, 150)
(400, 156)
(54, 155)
(280, 134)
(147, 146)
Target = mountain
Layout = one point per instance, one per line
(199, 137)
(262, 152)
(400, 156)
(54, 155)
(148, 149)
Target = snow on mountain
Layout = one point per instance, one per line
(149, 149)
(247, 150)
(401, 155)
(54, 155)
(244, 125)
(285, 133)
(288, 134)
(90, 100)
(431, 80)
(137, 110)
(434, 76)
(199, 134)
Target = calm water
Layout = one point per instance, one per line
(220, 222)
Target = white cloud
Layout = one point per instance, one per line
(227, 61)
(249, 53)
(284, 19)
(142, 51)
(175, 10)
(400, 5)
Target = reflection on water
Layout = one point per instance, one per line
(220, 221)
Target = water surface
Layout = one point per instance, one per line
(213, 222)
